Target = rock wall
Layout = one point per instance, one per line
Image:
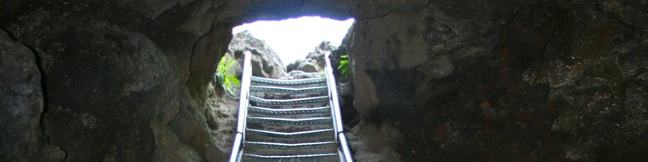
(122, 80)
(21, 99)
(504, 81)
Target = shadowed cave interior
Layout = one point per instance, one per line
(430, 80)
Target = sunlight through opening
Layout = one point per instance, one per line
(293, 38)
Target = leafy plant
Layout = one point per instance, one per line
(344, 67)
(227, 77)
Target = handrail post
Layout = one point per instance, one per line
(244, 95)
(335, 109)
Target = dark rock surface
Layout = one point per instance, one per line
(265, 62)
(125, 81)
(506, 80)
(21, 103)
(491, 80)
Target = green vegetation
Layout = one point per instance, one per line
(226, 75)
(344, 67)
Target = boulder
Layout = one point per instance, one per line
(314, 61)
(293, 66)
(317, 56)
(308, 66)
(265, 62)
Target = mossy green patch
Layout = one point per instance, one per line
(226, 75)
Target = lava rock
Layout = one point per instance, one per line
(265, 62)
(308, 67)
(21, 106)
(506, 81)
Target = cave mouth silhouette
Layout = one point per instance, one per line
(293, 38)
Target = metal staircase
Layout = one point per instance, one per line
(289, 120)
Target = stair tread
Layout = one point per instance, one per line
(280, 148)
(279, 89)
(290, 121)
(287, 102)
(255, 79)
(290, 137)
(292, 158)
(301, 110)
(280, 144)
(288, 134)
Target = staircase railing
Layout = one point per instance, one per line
(243, 105)
(340, 138)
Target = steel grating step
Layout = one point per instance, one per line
(290, 121)
(290, 137)
(314, 89)
(295, 101)
(285, 111)
(287, 82)
(296, 134)
(288, 145)
(290, 156)
(292, 148)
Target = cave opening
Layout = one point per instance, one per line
(281, 46)
(289, 49)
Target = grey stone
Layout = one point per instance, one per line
(21, 106)
(265, 62)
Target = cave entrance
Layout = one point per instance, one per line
(281, 47)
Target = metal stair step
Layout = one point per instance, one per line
(296, 134)
(277, 148)
(262, 80)
(283, 145)
(319, 157)
(289, 121)
(285, 111)
(291, 156)
(277, 89)
(294, 101)
(290, 137)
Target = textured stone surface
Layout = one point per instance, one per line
(317, 56)
(506, 80)
(21, 106)
(125, 80)
(308, 66)
(265, 62)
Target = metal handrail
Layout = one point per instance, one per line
(243, 105)
(340, 138)
(335, 110)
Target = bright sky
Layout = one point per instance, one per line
(292, 39)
